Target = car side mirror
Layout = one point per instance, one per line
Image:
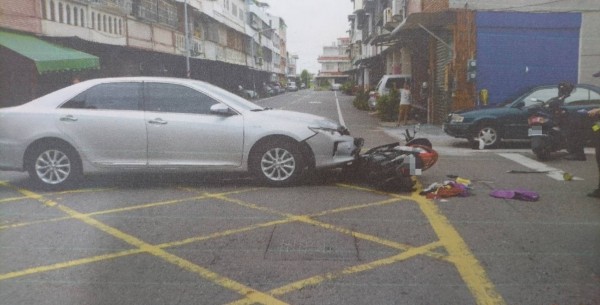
(220, 109)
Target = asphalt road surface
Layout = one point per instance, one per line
(223, 239)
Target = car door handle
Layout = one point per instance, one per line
(158, 121)
(68, 118)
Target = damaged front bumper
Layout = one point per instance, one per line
(332, 149)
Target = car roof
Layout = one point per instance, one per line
(66, 93)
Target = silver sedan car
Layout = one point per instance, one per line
(164, 124)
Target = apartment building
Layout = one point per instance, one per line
(229, 42)
(454, 48)
(335, 63)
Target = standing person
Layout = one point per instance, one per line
(595, 113)
(404, 108)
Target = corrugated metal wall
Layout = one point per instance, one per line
(443, 78)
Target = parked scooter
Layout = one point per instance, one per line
(545, 124)
(392, 166)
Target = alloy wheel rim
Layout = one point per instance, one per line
(488, 136)
(278, 164)
(53, 166)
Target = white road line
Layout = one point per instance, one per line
(337, 103)
(552, 172)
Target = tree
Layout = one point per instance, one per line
(305, 77)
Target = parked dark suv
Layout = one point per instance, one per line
(509, 120)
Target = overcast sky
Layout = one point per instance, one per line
(312, 24)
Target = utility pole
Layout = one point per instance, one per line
(187, 41)
(253, 52)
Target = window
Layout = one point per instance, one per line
(115, 96)
(583, 96)
(163, 97)
(75, 16)
(52, 11)
(542, 95)
(82, 16)
(68, 14)
(110, 25)
(60, 13)
(93, 20)
(44, 13)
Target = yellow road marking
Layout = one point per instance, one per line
(118, 210)
(68, 264)
(410, 253)
(467, 265)
(315, 280)
(223, 233)
(98, 258)
(77, 191)
(13, 199)
(469, 268)
(309, 220)
(247, 292)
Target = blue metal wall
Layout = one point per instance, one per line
(516, 51)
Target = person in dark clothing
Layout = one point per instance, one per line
(595, 113)
(571, 123)
(576, 132)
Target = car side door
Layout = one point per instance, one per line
(106, 124)
(182, 132)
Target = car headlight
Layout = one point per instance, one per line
(456, 118)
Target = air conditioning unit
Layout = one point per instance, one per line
(388, 21)
(398, 10)
(196, 49)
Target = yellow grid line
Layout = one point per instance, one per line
(468, 266)
(247, 292)
(130, 208)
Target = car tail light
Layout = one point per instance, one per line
(537, 120)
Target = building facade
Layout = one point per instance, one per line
(335, 63)
(455, 49)
(229, 42)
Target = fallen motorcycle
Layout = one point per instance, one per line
(391, 167)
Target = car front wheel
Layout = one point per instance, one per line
(277, 163)
(54, 166)
(488, 134)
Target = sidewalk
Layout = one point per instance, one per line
(433, 132)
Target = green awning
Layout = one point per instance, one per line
(48, 57)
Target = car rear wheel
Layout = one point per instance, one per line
(277, 163)
(54, 166)
(488, 134)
